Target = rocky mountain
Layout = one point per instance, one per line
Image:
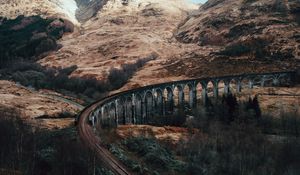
(251, 29)
(230, 37)
(220, 37)
(123, 32)
(236, 36)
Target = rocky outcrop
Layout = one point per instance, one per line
(88, 8)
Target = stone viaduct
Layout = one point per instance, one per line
(137, 106)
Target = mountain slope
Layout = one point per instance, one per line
(255, 29)
(122, 33)
(221, 37)
(240, 36)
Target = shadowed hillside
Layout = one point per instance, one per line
(26, 38)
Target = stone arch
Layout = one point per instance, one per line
(280, 79)
(93, 118)
(191, 94)
(204, 91)
(129, 110)
(169, 100)
(199, 90)
(97, 116)
(106, 116)
(268, 80)
(210, 89)
(113, 114)
(138, 109)
(248, 82)
(148, 106)
(238, 84)
(233, 86)
(221, 87)
(159, 101)
(121, 111)
(178, 95)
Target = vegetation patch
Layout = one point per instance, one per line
(254, 47)
(31, 74)
(32, 151)
(242, 30)
(147, 156)
(241, 140)
(121, 155)
(24, 38)
(153, 154)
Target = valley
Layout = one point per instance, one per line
(60, 60)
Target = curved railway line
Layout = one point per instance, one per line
(88, 136)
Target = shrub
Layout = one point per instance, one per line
(120, 154)
(240, 149)
(33, 74)
(254, 47)
(249, 1)
(235, 50)
(242, 30)
(154, 154)
(25, 38)
(118, 77)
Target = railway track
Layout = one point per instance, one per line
(88, 136)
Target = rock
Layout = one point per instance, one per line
(117, 21)
(88, 9)
(151, 12)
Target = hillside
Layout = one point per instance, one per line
(123, 33)
(264, 35)
(34, 107)
(186, 41)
